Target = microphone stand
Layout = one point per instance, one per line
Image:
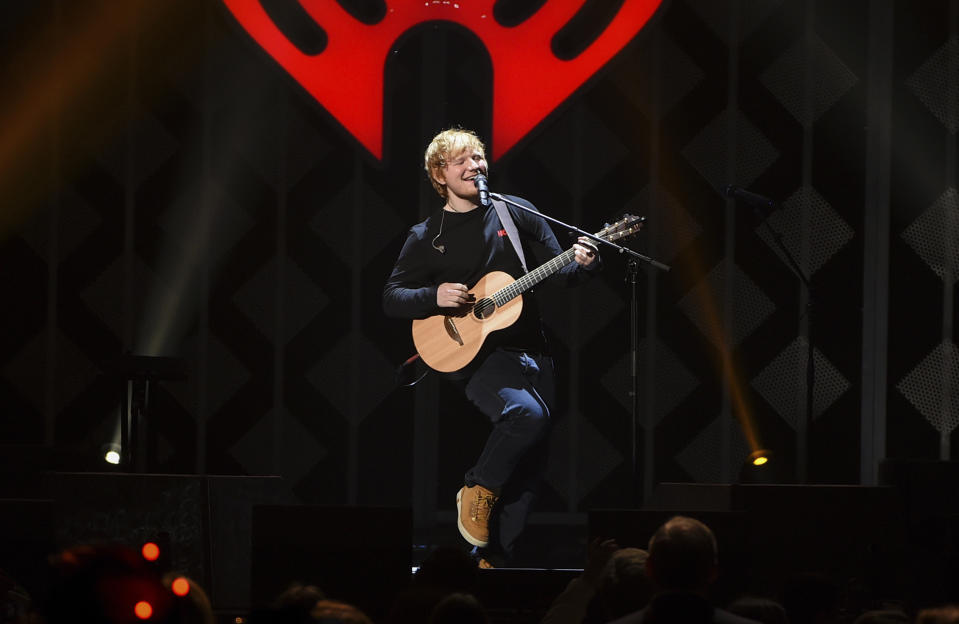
(632, 267)
(619, 248)
(632, 270)
(777, 236)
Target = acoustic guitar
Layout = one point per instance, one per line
(449, 342)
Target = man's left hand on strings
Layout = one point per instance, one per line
(584, 251)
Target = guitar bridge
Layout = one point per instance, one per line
(452, 331)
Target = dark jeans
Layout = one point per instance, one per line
(515, 390)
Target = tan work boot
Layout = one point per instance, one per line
(473, 507)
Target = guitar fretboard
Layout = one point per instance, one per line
(505, 295)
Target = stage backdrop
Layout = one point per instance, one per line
(169, 188)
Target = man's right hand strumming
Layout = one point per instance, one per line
(449, 295)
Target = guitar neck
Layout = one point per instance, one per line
(534, 277)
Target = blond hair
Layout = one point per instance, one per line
(446, 145)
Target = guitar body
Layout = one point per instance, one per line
(448, 343)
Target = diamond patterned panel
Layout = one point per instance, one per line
(783, 383)
(227, 376)
(298, 452)
(332, 376)
(585, 134)
(226, 76)
(672, 381)
(705, 309)
(702, 459)
(74, 371)
(139, 152)
(828, 232)
(749, 15)
(202, 222)
(302, 299)
(682, 77)
(604, 305)
(334, 224)
(935, 84)
(935, 233)
(201, 227)
(75, 221)
(933, 387)
(274, 138)
(671, 227)
(830, 78)
(597, 458)
(707, 152)
(105, 298)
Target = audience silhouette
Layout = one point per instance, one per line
(109, 584)
(613, 584)
(682, 564)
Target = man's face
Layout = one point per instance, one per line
(459, 172)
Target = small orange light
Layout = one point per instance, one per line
(143, 610)
(759, 461)
(180, 586)
(151, 552)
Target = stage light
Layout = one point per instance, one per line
(758, 458)
(112, 449)
(180, 586)
(760, 467)
(111, 453)
(150, 551)
(143, 610)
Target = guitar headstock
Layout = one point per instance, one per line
(627, 226)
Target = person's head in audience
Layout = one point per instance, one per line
(760, 609)
(682, 556)
(335, 612)
(940, 615)
(445, 571)
(459, 608)
(624, 586)
(191, 605)
(295, 603)
(882, 616)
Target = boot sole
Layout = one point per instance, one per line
(459, 524)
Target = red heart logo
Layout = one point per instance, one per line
(529, 81)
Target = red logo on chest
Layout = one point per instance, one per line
(529, 81)
(501, 233)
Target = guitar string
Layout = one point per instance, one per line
(517, 287)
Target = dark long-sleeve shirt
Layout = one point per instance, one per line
(476, 244)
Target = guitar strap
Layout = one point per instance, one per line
(507, 220)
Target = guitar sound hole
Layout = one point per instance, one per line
(484, 308)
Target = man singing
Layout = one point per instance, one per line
(511, 380)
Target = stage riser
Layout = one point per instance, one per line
(358, 555)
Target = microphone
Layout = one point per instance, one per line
(483, 188)
(757, 201)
